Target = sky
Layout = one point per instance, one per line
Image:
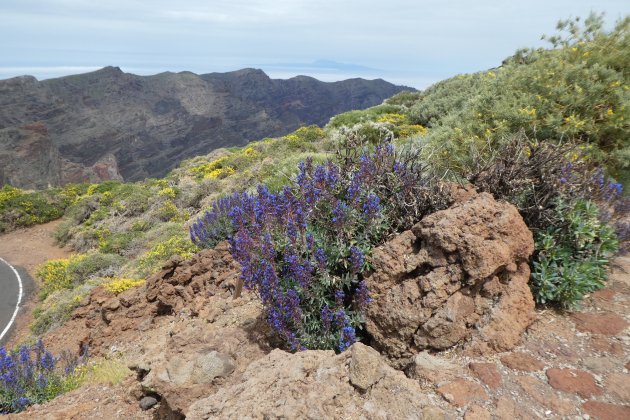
(414, 43)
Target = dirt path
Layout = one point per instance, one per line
(32, 246)
(25, 249)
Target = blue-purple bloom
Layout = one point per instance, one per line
(27, 376)
(362, 295)
(296, 247)
(371, 206)
(357, 259)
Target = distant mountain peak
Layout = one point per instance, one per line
(143, 126)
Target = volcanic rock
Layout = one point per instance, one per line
(314, 384)
(458, 275)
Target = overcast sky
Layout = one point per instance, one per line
(407, 42)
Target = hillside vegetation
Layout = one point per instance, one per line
(578, 91)
(546, 131)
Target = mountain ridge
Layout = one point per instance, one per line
(109, 124)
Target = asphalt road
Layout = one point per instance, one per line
(11, 297)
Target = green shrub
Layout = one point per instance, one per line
(94, 264)
(577, 91)
(572, 257)
(118, 243)
(405, 99)
(351, 118)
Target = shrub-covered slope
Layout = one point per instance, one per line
(579, 90)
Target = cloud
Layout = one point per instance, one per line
(418, 40)
(44, 72)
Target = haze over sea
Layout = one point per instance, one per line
(412, 43)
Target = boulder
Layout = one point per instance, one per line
(191, 358)
(316, 384)
(460, 275)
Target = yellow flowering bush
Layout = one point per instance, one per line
(408, 130)
(250, 151)
(91, 189)
(306, 134)
(207, 170)
(220, 173)
(217, 168)
(162, 251)
(55, 274)
(107, 198)
(23, 208)
(310, 133)
(168, 192)
(119, 285)
(7, 193)
(393, 118)
(167, 211)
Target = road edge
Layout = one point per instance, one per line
(6, 330)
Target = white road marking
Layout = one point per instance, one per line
(17, 305)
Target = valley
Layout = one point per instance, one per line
(111, 125)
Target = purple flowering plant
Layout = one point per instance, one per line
(30, 375)
(216, 224)
(305, 249)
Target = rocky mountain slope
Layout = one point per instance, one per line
(113, 125)
(200, 353)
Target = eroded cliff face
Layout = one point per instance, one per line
(28, 157)
(109, 124)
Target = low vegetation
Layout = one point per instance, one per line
(19, 208)
(32, 375)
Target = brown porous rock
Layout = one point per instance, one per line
(459, 275)
(315, 384)
(182, 287)
(187, 284)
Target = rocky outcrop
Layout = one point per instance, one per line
(316, 384)
(198, 287)
(105, 169)
(186, 285)
(109, 124)
(192, 358)
(28, 157)
(460, 275)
